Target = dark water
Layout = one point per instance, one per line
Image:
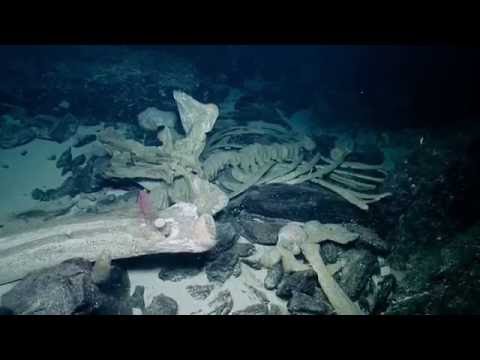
(407, 114)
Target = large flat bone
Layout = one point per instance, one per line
(185, 232)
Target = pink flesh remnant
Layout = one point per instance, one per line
(145, 206)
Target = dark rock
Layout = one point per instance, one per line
(301, 281)
(275, 310)
(200, 292)
(5, 311)
(366, 300)
(84, 140)
(13, 135)
(413, 304)
(24, 153)
(111, 306)
(65, 129)
(117, 284)
(162, 305)
(85, 179)
(176, 267)
(360, 265)
(301, 202)
(107, 200)
(88, 178)
(78, 161)
(369, 239)
(55, 129)
(64, 289)
(244, 249)
(301, 303)
(222, 304)
(52, 158)
(73, 164)
(39, 194)
(65, 159)
(66, 170)
(5, 166)
(151, 139)
(274, 276)
(384, 290)
(255, 309)
(227, 236)
(222, 267)
(330, 251)
(137, 300)
(259, 229)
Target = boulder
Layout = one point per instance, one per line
(222, 267)
(67, 289)
(360, 265)
(259, 229)
(301, 281)
(162, 305)
(274, 276)
(302, 202)
(301, 303)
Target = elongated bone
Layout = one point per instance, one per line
(294, 238)
(118, 237)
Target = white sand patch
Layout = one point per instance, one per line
(240, 289)
(242, 295)
(26, 173)
(34, 170)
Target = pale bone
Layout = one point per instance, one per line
(119, 237)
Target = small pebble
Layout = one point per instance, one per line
(52, 157)
(24, 152)
(200, 292)
(5, 166)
